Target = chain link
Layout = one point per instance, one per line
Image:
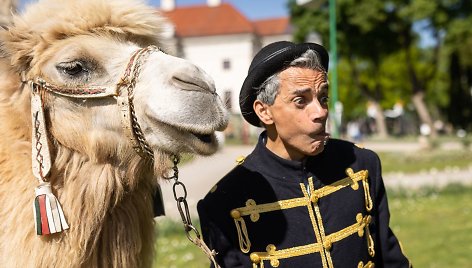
(192, 233)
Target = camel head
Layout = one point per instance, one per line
(146, 98)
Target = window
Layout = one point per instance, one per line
(226, 64)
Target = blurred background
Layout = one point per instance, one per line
(400, 84)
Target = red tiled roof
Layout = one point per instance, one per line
(203, 20)
(273, 26)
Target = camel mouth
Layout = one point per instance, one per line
(205, 138)
(177, 138)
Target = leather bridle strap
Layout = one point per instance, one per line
(123, 91)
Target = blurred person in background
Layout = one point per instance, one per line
(299, 199)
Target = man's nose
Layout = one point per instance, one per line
(318, 111)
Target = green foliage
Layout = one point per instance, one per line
(381, 57)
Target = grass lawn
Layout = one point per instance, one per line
(412, 162)
(435, 228)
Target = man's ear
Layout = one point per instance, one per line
(263, 112)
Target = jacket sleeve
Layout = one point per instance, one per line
(227, 255)
(388, 249)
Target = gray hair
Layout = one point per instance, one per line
(268, 90)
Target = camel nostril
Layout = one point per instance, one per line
(192, 83)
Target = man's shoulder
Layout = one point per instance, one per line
(238, 180)
(343, 146)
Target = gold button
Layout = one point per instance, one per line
(255, 258)
(235, 214)
(213, 189)
(274, 263)
(271, 248)
(240, 160)
(327, 244)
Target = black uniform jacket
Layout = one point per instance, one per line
(329, 210)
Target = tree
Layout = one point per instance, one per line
(372, 32)
(364, 39)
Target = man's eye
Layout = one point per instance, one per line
(299, 100)
(324, 99)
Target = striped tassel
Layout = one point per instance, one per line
(48, 213)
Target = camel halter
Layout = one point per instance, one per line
(48, 211)
(49, 216)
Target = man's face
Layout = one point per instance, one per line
(299, 114)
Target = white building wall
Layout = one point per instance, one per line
(274, 38)
(210, 52)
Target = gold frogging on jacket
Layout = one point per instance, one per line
(309, 200)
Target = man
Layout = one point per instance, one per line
(298, 200)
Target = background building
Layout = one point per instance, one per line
(220, 39)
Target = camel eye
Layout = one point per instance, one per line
(73, 68)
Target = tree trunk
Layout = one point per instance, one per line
(379, 120)
(418, 93)
(423, 112)
(380, 126)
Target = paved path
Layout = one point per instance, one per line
(201, 174)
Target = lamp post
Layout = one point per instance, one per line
(335, 105)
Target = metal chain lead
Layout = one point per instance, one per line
(136, 69)
(192, 233)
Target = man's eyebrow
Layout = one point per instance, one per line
(324, 86)
(299, 91)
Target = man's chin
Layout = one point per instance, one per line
(318, 147)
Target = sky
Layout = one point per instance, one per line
(252, 9)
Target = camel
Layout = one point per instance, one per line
(93, 109)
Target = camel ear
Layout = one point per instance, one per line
(263, 112)
(18, 46)
(7, 9)
(16, 43)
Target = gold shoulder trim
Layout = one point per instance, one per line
(240, 159)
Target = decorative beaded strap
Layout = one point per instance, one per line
(49, 216)
(124, 93)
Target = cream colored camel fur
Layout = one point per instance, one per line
(104, 186)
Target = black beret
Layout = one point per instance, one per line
(269, 60)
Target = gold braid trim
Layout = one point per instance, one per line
(243, 237)
(274, 256)
(311, 212)
(253, 210)
(369, 264)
